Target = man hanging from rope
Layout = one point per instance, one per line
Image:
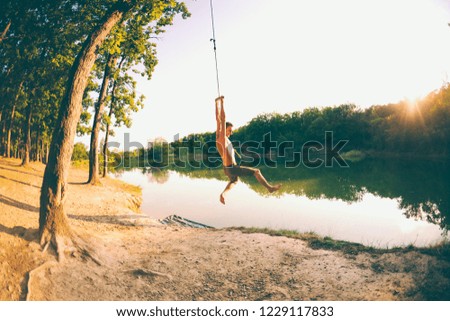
(226, 151)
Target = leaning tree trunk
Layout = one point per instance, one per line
(108, 124)
(27, 138)
(5, 31)
(105, 145)
(54, 228)
(93, 151)
(11, 121)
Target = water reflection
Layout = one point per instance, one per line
(156, 175)
(422, 188)
(375, 202)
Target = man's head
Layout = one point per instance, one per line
(229, 129)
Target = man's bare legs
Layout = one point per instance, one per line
(227, 188)
(263, 182)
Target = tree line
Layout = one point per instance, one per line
(419, 128)
(413, 129)
(62, 63)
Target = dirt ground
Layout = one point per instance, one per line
(145, 260)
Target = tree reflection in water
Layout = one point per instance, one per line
(422, 188)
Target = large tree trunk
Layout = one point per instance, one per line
(27, 138)
(93, 151)
(11, 121)
(53, 223)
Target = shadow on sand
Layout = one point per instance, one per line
(11, 202)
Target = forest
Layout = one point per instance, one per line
(66, 64)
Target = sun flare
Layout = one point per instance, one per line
(412, 105)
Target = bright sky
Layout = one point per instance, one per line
(287, 55)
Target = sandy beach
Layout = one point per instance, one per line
(142, 259)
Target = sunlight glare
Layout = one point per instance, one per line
(412, 105)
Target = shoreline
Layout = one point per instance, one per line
(144, 260)
(315, 241)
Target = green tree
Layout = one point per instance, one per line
(80, 152)
(131, 44)
(53, 224)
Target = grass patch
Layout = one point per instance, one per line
(129, 188)
(354, 156)
(441, 251)
(286, 233)
(314, 241)
(80, 164)
(327, 243)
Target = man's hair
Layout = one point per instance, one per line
(228, 124)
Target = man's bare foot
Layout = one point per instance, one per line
(274, 188)
(222, 199)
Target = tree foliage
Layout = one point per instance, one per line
(48, 50)
(414, 128)
(80, 152)
(39, 41)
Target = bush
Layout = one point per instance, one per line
(80, 152)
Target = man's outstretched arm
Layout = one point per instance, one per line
(220, 112)
(220, 119)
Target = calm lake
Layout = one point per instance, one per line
(381, 203)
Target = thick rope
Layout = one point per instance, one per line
(213, 39)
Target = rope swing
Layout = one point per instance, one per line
(213, 39)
